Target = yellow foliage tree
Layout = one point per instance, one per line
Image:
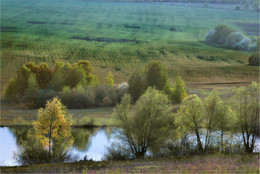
(109, 79)
(53, 126)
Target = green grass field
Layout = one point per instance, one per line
(42, 31)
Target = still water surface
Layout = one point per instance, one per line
(91, 142)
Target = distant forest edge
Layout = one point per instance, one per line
(196, 1)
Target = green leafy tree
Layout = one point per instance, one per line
(148, 126)
(190, 118)
(179, 92)
(224, 121)
(246, 106)
(32, 91)
(92, 80)
(53, 127)
(57, 83)
(109, 79)
(156, 75)
(212, 109)
(137, 85)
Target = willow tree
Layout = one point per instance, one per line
(246, 106)
(190, 118)
(148, 126)
(53, 128)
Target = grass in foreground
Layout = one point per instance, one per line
(193, 164)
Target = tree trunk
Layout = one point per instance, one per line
(221, 141)
(200, 147)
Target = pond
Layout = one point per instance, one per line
(91, 142)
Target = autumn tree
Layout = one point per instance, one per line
(148, 126)
(53, 127)
(190, 118)
(109, 79)
(246, 106)
(86, 66)
(18, 85)
(73, 75)
(179, 92)
(43, 75)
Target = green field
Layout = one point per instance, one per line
(122, 37)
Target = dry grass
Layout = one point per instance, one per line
(193, 164)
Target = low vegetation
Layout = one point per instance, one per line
(155, 75)
(194, 164)
(75, 84)
(226, 37)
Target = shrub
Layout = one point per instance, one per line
(109, 79)
(237, 7)
(117, 152)
(225, 36)
(233, 40)
(220, 34)
(209, 36)
(254, 59)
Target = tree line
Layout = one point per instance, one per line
(152, 124)
(78, 87)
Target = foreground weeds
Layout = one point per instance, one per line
(194, 164)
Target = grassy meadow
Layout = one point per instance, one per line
(122, 36)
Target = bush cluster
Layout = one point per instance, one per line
(254, 59)
(75, 84)
(155, 75)
(225, 36)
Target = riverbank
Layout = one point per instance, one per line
(100, 117)
(216, 163)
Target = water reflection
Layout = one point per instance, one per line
(91, 142)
